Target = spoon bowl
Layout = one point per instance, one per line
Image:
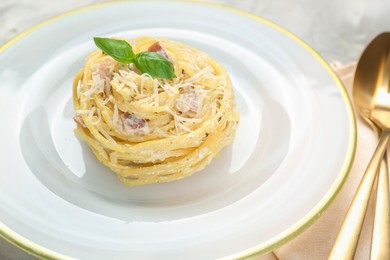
(371, 82)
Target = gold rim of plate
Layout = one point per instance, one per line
(42, 252)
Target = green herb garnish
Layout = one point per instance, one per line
(147, 62)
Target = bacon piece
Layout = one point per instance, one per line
(156, 47)
(132, 122)
(106, 68)
(102, 74)
(79, 121)
(189, 103)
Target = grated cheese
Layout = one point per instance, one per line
(115, 116)
(82, 111)
(91, 116)
(155, 89)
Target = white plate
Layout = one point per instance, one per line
(293, 149)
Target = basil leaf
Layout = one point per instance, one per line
(147, 62)
(119, 50)
(154, 64)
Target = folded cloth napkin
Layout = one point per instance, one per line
(316, 242)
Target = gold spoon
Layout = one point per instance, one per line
(372, 98)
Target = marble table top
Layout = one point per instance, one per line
(338, 30)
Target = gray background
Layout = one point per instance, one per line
(337, 29)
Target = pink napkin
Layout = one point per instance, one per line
(316, 242)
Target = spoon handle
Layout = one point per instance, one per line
(348, 237)
(380, 245)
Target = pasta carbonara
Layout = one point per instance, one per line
(151, 130)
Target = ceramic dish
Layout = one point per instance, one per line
(293, 149)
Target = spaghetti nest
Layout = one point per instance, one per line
(150, 130)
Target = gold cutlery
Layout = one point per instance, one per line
(372, 99)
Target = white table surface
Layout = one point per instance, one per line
(338, 30)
